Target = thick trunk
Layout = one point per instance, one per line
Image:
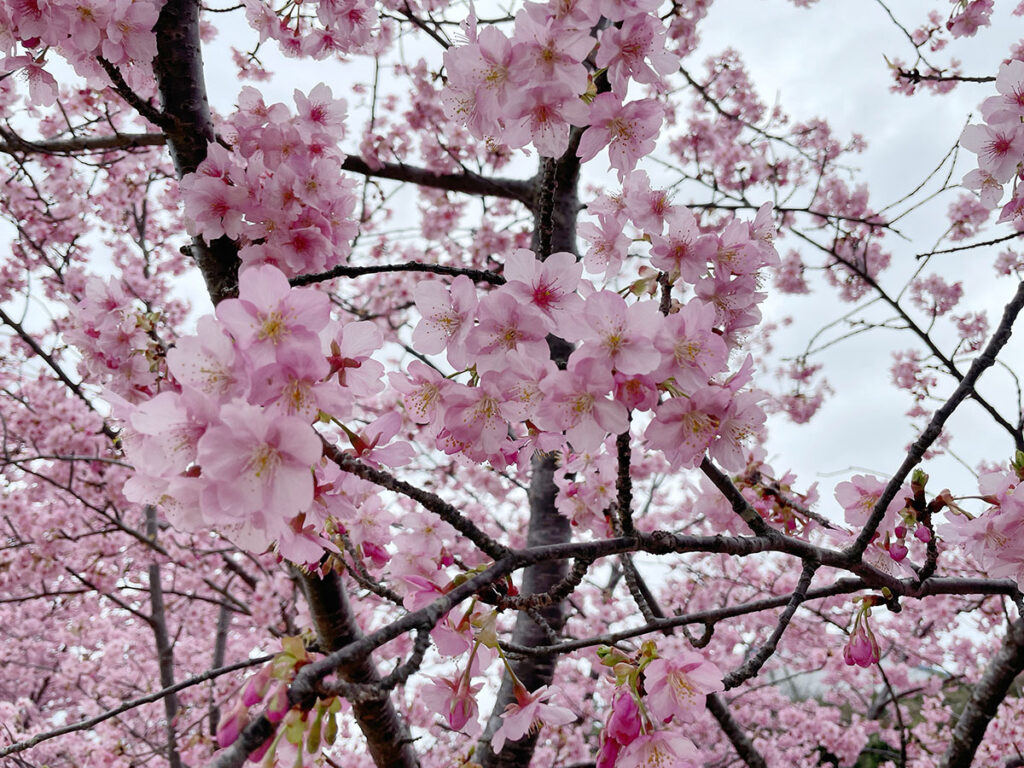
(555, 208)
(985, 699)
(387, 736)
(179, 72)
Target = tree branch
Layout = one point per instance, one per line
(149, 698)
(966, 387)
(986, 696)
(164, 649)
(468, 182)
(387, 736)
(429, 501)
(13, 143)
(477, 275)
(733, 731)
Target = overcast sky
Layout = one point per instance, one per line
(828, 62)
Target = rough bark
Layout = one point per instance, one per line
(985, 699)
(189, 128)
(387, 736)
(547, 526)
(164, 649)
(555, 209)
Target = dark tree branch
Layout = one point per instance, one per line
(149, 698)
(427, 500)
(164, 649)
(753, 665)
(985, 699)
(72, 145)
(546, 525)
(739, 503)
(555, 206)
(387, 736)
(477, 275)
(733, 731)
(993, 241)
(468, 182)
(964, 390)
(189, 128)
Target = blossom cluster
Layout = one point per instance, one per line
(858, 497)
(653, 692)
(83, 31)
(334, 27)
(998, 142)
(628, 356)
(229, 440)
(279, 191)
(118, 340)
(994, 538)
(533, 86)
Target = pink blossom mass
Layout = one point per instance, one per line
(550, 384)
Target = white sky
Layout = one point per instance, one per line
(828, 62)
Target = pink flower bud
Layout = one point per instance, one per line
(624, 724)
(376, 553)
(231, 726)
(897, 551)
(923, 534)
(901, 531)
(261, 750)
(278, 704)
(610, 749)
(860, 650)
(256, 687)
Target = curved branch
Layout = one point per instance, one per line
(149, 698)
(467, 182)
(986, 696)
(966, 388)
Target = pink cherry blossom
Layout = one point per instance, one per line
(548, 285)
(624, 50)
(455, 700)
(269, 312)
(615, 334)
(255, 460)
(677, 687)
(575, 400)
(544, 115)
(447, 315)
(684, 427)
(999, 148)
(657, 749)
(628, 130)
(529, 711)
